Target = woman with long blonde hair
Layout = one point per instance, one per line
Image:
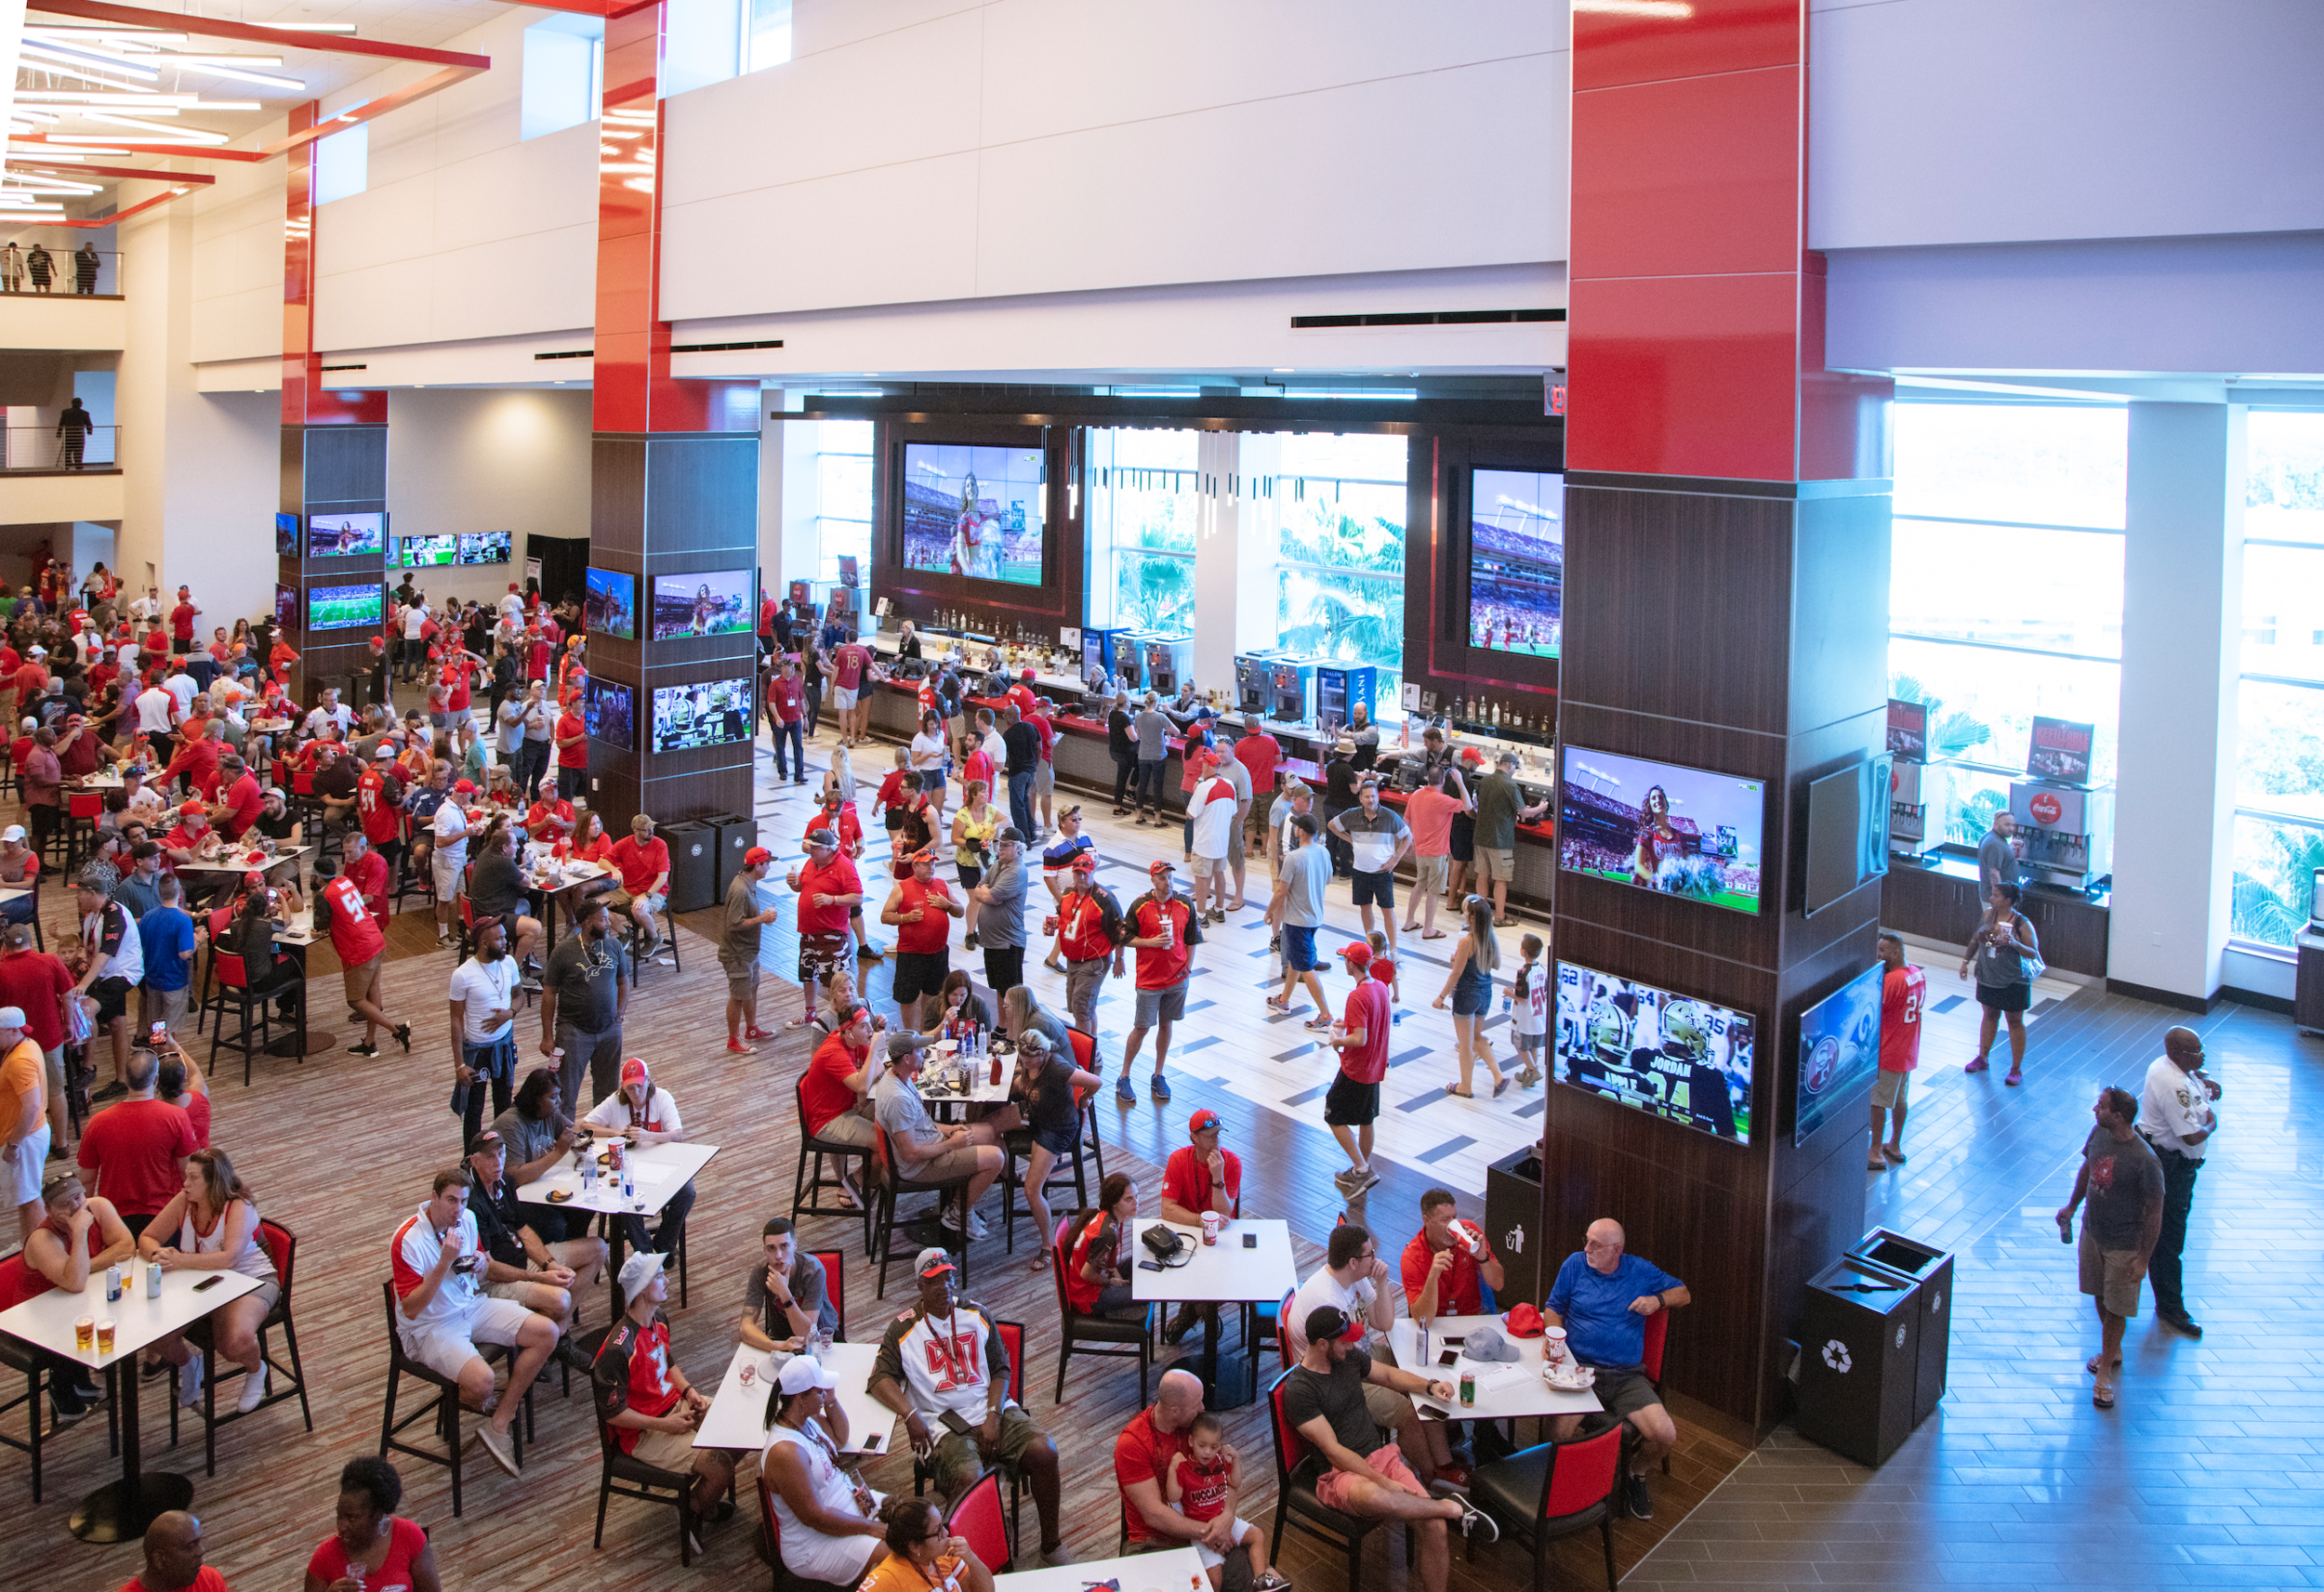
(211, 1224)
(1469, 984)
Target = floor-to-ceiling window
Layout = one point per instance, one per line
(1145, 496)
(2005, 601)
(1340, 552)
(843, 496)
(2279, 783)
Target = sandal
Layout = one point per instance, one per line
(1434, 934)
(1460, 1093)
(2102, 1396)
(2015, 1078)
(1499, 1084)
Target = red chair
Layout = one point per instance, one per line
(282, 1249)
(83, 808)
(1657, 1334)
(1295, 1504)
(1076, 1330)
(834, 1286)
(1011, 1339)
(1553, 1490)
(977, 1518)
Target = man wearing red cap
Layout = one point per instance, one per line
(181, 620)
(827, 885)
(920, 908)
(1215, 813)
(191, 839)
(738, 943)
(1089, 928)
(1360, 1037)
(1164, 928)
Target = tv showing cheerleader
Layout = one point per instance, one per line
(1661, 827)
(1516, 561)
(978, 512)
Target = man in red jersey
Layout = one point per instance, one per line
(1903, 992)
(1361, 1038)
(240, 797)
(550, 819)
(920, 908)
(853, 673)
(1164, 928)
(341, 911)
(379, 808)
(181, 620)
(369, 872)
(572, 738)
(1088, 924)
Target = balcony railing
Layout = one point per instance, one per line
(59, 272)
(43, 448)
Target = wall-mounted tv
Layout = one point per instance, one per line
(611, 606)
(1677, 831)
(286, 606)
(1840, 1048)
(487, 547)
(610, 709)
(345, 536)
(287, 536)
(344, 607)
(978, 512)
(715, 602)
(710, 714)
(1516, 561)
(1666, 1054)
(1847, 830)
(425, 552)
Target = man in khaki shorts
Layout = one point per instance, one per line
(2122, 1181)
(928, 1153)
(554, 1274)
(1501, 807)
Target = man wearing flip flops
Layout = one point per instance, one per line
(2122, 1181)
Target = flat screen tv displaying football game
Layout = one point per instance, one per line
(715, 602)
(710, 714)
(610, 709)
(344, 536)
(1516, 561)
(1668, 1054)
(611, 606)
(1675, 831)
(487, 547)
(1840, 1048)
(344, 607)
(978, 512)
(426, 552)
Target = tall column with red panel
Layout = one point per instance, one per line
(330, 535)
(1726, 569)
(674, 495)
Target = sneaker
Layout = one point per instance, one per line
(949, 1219)
(2180, 1322)
(190, 1383)
(737, 1048)
(754, 1032)
(1056, 1553)
(1159, 1088)
(497, 1444)
(1125, 1091)
(403, 1036)
(1637, 1500)
(1317, 1025)
(1977, 1064)
(1178, 1326)
(1452, 1478)
(111, 1091)
(976, 1225)
(253, 1390)
(1475, 1525)
(363, 1047)
(969, 943)
(1271, 1582)
(65, 1410)
(1348, 1180)
(571, 1355)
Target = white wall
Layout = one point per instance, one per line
(1992, 121)
(464, 460)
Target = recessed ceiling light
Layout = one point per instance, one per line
(1282, 370)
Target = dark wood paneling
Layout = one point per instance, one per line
(617, 500)
(1944, 906)
(695, 796)
(1436, 652)
(1058, 602)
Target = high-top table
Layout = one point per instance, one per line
(1165, 1570)
(658, 1171)
(982, 1090)
(1506, 1389)
(737, 1417)
(119, 1511)
(1223, 1273)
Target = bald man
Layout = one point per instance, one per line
(173, 1558)
(1602, 1297)
(1141, 1457)
(2176, 1120)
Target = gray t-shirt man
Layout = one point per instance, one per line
(1500, 803)
(810, 1292)
(2124, 1176)
(738, 938)
(1997, 861)
(1307, 872)
(896, 1107)
(1001, 920)
(1372, 837)
(586, 980)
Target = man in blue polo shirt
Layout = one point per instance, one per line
(1602, 1297)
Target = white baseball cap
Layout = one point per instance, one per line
(799, 1372)
(13, 831)
(637, 1271)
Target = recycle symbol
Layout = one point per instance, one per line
(1836, 1356)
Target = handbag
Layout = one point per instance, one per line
(1163, 1243)
(2029, 963)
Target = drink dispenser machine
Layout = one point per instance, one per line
(1340, 687)
(1169, 660)
(1250, 681)
(1101, 647)
(1290, 690)
(2066, 833)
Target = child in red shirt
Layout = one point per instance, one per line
(1201, 1483)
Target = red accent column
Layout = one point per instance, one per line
(302, 372)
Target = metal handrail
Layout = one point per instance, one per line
(65, 276)
(45, 449)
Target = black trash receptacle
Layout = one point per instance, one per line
(1932, 1269)
(694, 861)
(1512, 1212)
(735, 836)
(1860, 1352)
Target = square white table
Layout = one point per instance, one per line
(737, 1417)
(235, 860)
(658, 1171)
(1165, 1570)
(982, 1090)
(1506, 1389)
(120, 1511)
(1222, 1273)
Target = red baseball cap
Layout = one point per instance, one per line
(633, 1071)
(1204, 1120)
(1087, 863)
(1357, 952)
(1161, 866)
(757, 855)
(190, 809)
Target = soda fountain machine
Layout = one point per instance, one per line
(1290, 689)
(1250, 681)
(1168, 661)
(1341, 688)
(1102, 648)
(2064, 833)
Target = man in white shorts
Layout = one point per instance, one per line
(443, 1312)
(448, 861)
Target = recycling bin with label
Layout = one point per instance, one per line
(1860, 1352)
(693, 862)
(1932, 1269)
(1513, 1211)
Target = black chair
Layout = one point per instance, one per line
(1553, 1490)
(1295, 1504)
(18, 1282)
(1077, 1331)
(443, 1408)
(668, 942)
(1065, 1171)
(808, 1186)
(630, 1476)
(410, 881)
(892, 1186)
(283, 1382)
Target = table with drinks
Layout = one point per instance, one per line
(736, 1419)
(618, 1178)
(553, 882)
(1230, 1260)
(964, 1076)
(1492, 1390)
(1158, 1571)
(104, 1326)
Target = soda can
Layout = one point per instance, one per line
(1467, 1390)
(153, 1280)
(112, 1285)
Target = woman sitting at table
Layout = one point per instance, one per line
(374, 1546)
(270, 972)
(828, 1520)
(79, 1235)
(1097, 1268)
(211, 1224)
(920, 1557)
(590, 843)
(958, 1006)
(1046, 1089)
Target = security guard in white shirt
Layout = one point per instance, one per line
(2176, 1117)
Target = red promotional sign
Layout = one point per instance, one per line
(2046, 808)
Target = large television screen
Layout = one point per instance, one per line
(487, 547)
(1666, 1054)
(611, 606)
(1677, 831)
(425, 552)
(287, 536)
(1840, 1048)
(610, 709)
(715, 602)
(343, 535)
(344, 607)
(978, 512)
(286, 606)
(710, 714)
(1516, 561)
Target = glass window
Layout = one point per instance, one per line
(2279, 715)
(1340, 554)
(1144, 501)
(766, 33)
(1994, 623)
(343, 163)
(565, 70)
(843, 494)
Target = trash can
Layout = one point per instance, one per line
(735, 836)
(1513, 1210)
(1932, 1269)
(694, 863)
(1859, 1352)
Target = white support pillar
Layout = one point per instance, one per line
(2182, 635)
(1234, 552)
